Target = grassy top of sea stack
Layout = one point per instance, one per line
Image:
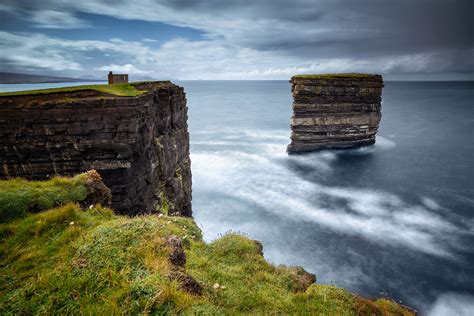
(122, 90)
(346, 76)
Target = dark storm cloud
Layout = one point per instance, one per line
(347, 28)
(403, 25)
(355, 29)
(435, 33)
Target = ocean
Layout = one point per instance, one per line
(394, 219)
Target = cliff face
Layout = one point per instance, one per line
(334, 111)
(139, 145)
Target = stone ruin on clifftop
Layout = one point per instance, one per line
(334, 111)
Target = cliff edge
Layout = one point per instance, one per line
(57, 257)
(134, 135)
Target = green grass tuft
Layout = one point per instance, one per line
(337, 76)
(165, 204)
(123, 90)
(18, 196)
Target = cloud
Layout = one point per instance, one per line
(53, 19)
(34, 51)
(127, 68)
(180, 58)
(324, 28)
(271, 39)
(40, 51)
(218, 59)
(4, 7)
(150, 40)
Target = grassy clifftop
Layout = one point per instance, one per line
(123, 90)
(73, 260)
(18, 196)
(346, 76)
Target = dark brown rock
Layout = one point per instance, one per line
(177, 255)
(259, 247)
(187, 282)
(97, 191)
(138, 145)
(335, 111)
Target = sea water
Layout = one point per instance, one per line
(393, 219)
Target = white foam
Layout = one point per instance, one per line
(379, 216)
(384, 143)
(453, 304)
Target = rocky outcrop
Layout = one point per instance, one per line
(334, 111)
(177, 258)
(139, 145)
(301, 280)
(97, 191)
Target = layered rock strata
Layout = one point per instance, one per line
(139, 145)
(334, 111)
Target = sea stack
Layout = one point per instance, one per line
(334, 111)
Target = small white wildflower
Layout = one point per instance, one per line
(216, 285)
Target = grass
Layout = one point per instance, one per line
(123, 90)
(18, 196)
(71, 261)
(336, 76)
(165, 204)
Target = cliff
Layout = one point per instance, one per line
(137, 140)
(59, 258)
(334, 111)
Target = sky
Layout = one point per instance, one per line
(238, 39)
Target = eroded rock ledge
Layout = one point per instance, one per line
(334, 111)
(139, 145)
